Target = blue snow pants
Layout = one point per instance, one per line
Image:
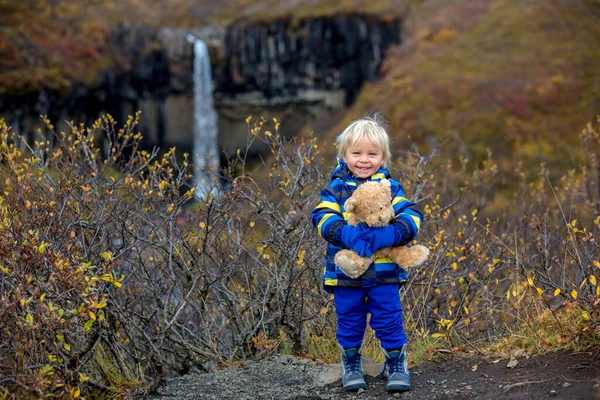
(383, 302)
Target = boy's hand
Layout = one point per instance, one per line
(351, 234)
(383, 237)
(364, 247)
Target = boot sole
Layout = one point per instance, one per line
(355, 385)
(397, 388)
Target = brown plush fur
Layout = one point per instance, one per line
(371, 204)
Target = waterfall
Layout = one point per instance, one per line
(206, 153)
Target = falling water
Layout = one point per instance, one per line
(205, 122)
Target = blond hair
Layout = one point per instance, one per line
(371, 128)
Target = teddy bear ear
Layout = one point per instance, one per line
(349, 205)
(386, 182)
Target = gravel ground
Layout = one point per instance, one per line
(561, 375)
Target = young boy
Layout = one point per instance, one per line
(363, 152)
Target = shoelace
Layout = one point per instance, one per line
(394, 366)
(353, 363)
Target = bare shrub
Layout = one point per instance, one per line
(109, 281)
(112, 277)
(491, 276)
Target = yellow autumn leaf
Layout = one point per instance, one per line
(574, 294)
(323, 310)
(593, 280)
(597, 263)
(556, 292)
(43, 246)
(540, 291)
(530, 281)
(585, 315)
(508, 295)
(438, 335)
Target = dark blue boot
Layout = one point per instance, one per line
(397, 370)
(353, 377)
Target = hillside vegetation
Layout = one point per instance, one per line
(516, 77)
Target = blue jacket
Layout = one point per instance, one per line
(330, 216)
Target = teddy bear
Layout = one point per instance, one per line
(371, 204)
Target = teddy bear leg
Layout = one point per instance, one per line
(409, 257)
(351, 263)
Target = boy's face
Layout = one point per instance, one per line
(363, 159)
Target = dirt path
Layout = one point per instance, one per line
(568, 376)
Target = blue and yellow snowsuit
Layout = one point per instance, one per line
(329, 217)
(375, 291)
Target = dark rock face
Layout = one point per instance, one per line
(279, 59)
(258, 69)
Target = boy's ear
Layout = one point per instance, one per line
(349, 205)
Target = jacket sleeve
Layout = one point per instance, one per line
(327, 217)
(408, 218)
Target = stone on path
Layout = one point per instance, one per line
(334, 371)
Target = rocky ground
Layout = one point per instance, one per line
(561, 375)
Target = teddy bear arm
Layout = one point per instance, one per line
(409, 257)
(351, 264)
